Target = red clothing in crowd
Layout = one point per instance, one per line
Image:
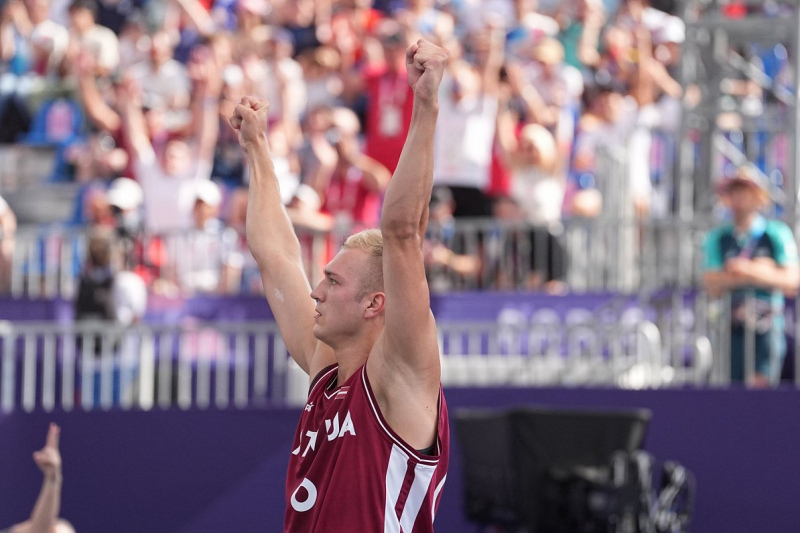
(346, 194)
(391, 101)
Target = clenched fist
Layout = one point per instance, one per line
(425, 63)
(249, 119)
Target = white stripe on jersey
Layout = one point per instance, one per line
(395, 474)
(436, 492)
(423, 474)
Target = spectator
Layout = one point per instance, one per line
(321, 72)
(303, 20)
(8, 229)
(449, 264)
(549, 92)
(237, 218)
(529, 28)
(389, 97)
(91, 38)
(105, 292)
(753, 258)
(125, 197)
(537, 182)
(521, 256)
(353, 193)
(49, 40)
(607, 128)
(581, 23)
(164, 82)
(423, 19)
(44, 517)
(275, 74)
(206, 259)
(468, 108)
(169, 181)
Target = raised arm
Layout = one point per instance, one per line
(45, 512)
(134, 122)
(205, 107)
(100, 113)
(404, 365)
(274, 244)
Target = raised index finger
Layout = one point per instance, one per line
(53, 434)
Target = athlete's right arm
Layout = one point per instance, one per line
(274, 244)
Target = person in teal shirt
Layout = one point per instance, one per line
(756, 257)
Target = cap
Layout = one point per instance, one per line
(208, 192)
(125, 194)
(744, 177)
(673, 30)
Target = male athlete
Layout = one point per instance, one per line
(371, 450)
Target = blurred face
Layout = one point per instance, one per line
(441, 212)
(523, 7)
(466, 83)
(339, 313)
(160, 48)
(394, 50)
(530, 151)
(744, 200)
(610, 105)
(176, 158)
(81, 19)
(203, 213)
(38, 10)
(98, 208)
(319, 120)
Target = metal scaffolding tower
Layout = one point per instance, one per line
(742, 61)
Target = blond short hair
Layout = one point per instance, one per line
(370, 242)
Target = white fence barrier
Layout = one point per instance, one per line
(98, 366)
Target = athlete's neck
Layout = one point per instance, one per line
(352, 357)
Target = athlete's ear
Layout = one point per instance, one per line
(375, 306)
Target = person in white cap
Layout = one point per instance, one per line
(207, 258)
(125, 197)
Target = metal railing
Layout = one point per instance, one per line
(101, 366)
(589, 255)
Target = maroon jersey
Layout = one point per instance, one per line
(350, 472)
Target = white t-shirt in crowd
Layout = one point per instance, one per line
(169, 200)
(128, 297)
(464, 139)
(539, 194)
(170, 83)
(103, 44)
(630, 134)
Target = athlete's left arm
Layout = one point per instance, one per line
(404, 367)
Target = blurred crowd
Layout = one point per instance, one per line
(135, 95)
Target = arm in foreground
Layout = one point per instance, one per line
(274, 245)
(405, 369)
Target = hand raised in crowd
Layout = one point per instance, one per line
(425, 63)
(249, 119)
(48, 459)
